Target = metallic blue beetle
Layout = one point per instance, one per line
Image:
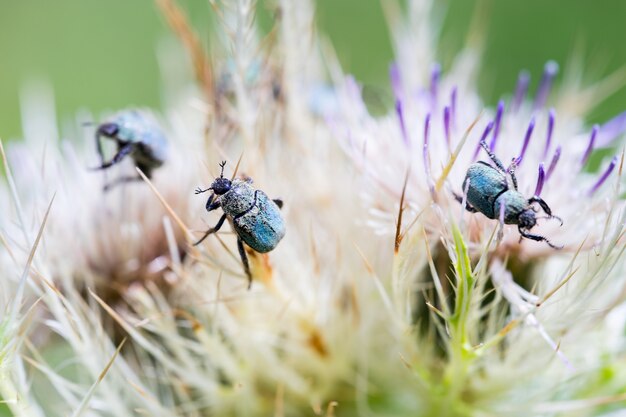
(137, 134)
(255, 218)
(489, 190)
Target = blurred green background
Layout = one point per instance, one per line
(101, 55)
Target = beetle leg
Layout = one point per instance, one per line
(212, 205)
(244, 260)
(545, 207)
(492, 156)
(121, 180)
(123, 151)
(511, 172)
(538, 238)
(209, 202)
(467, 205)
(278, 202)
(212, 230)
(542, 203)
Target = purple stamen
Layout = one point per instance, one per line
(555, 159)
(425, 147)
(592, 140)
(396, 81)
(540, 180)
(611, 130)
(496, 127)
(604, 176)
(446, 124)
(482, 138)
(520, 91)
(551, 116)
(549, 71)
(400, 113)
(453, 107)
(529, 132)
(434, 81)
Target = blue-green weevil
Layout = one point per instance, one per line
(254, 217)
(138, 134)
(489, 192)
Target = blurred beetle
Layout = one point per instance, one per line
(489, 192)
(254, 217)
(138, 134)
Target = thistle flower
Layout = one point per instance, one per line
(434, 135)
(431, 316)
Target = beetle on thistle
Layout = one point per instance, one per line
(136, 134)
(254, 217)
(489, 192)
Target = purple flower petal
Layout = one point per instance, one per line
(549, 72)
(496, 127)
(551, 117)
(435, 75)
(446, 124)
(520, 90)
(396, 81)
(482, 138)
(604, 176)
(611, 130)
(529, 132)
(453, 107)
(555, 159)
(425, 147)
(592, 139)
(400, 113)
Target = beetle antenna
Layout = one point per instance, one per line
(551, 217)
(222, 165)
(537, 238)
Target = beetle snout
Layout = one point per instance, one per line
(527, 219)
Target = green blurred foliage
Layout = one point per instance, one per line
(101, 55)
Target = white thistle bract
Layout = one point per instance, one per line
(384, 298)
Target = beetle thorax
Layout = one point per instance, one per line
(238, 199)
(514, 205)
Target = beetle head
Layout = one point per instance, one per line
(221, 185)
(527, 219)
(108, 129)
